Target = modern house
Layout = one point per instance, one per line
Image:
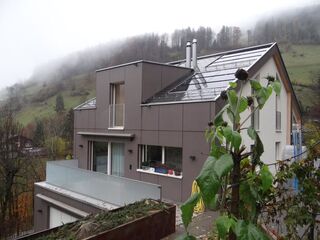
(148, 120)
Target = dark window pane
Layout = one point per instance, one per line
(100, 156)
(173, 158)
(154, 155)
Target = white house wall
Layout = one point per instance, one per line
(267, 132)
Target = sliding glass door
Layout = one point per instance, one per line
(108, 157)
(117, 159)
(100, 157)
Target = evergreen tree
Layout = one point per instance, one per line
(59, 103)
(38, 137)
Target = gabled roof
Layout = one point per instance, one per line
(212, 76)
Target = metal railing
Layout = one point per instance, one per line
(112, 189)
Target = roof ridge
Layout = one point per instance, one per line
(227, 52)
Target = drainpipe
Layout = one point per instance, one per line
(194, 54)
(188, 55)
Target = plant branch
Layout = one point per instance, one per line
(248, 117)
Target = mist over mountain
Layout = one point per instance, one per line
(74, 75)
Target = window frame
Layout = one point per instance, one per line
(112, 109)
(142, 158)
(109, 156)
(278, 109)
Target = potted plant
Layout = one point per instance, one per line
(145, 165)
(177, 172)
(161, 169)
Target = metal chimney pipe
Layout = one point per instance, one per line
(194, 53)
(188, 55)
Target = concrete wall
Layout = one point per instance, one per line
(41, 207)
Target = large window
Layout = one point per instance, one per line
(116, 108)
(160, 159)
(108, 157)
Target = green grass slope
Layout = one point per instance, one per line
(75, 91)
(303, 65)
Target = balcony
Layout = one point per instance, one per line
(65, 176)
(116, 116)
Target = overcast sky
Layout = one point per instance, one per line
(33, 32)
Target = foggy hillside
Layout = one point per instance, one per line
(74, 75)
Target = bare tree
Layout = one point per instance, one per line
(16, 171)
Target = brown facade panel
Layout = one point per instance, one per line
(102, 89)
(102, 117)
(156, 77)
(131, 157)
(150, 137)
(91, 118)
(195, 152)
(170, 138)
(196, 116)
(151, 80)
(171, 188)
(150, 118)
(171, 74)
(151, 178)
(170, 117)
(132, 85)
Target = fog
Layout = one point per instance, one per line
(34, 32)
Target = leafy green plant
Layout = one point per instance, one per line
(232, 179)
(299, 207)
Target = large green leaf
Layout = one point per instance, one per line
(218, 120)
(230, 114)
(249, 198)
(248, 231)
(262, 95)
(223, 165)
(187, 209)
(236, 140)
(216, 150)
(227, 133)
(233, 84)
(258, 145)
(266, 178)
(255, 85)
(276, 85)
(208, 181)
(243, 104)
(213, 204)
(224, 223)
(233, 99)
(232, 136)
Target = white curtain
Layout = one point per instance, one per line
(117, 157)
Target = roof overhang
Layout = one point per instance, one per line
(129, 136)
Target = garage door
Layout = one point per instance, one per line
(58, 218)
